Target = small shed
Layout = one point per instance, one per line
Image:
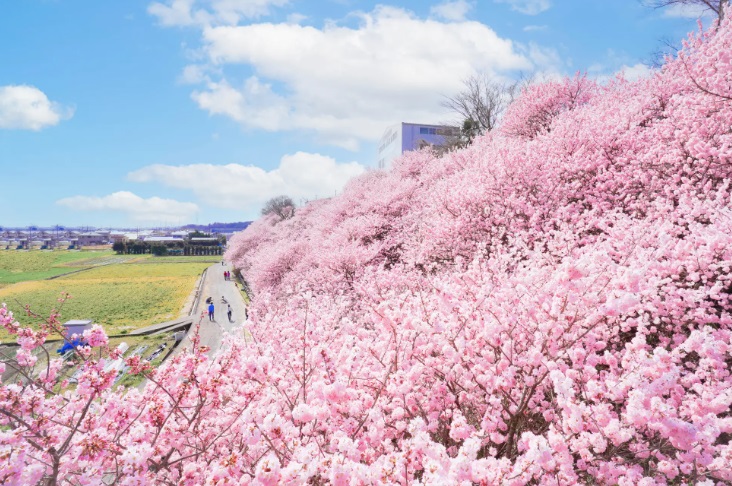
(77, 327)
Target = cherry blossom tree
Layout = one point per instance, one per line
(282, 206)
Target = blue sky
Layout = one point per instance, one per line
(139, 113)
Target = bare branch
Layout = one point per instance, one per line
(482, 101)
(718, 7)
(282, 206)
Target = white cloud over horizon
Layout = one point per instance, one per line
(153, 209)
(24, 107)
(234, 186)
(346, 84)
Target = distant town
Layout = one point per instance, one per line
(123, 240)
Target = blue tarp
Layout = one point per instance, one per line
(69, 345)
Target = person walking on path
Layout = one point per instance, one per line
(212, 288)
(211, 312)
(228, 312)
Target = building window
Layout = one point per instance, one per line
(427, 131)
(387, 141)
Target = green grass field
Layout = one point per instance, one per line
(121, 296)
(21, 266)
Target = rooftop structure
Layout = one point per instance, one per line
(404, 137)
(162, 239)
(77, 326)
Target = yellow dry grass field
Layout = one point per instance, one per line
(121, 297)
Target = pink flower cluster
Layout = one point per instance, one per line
(551, 305)
(95, 337)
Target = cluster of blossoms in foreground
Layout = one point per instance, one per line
(551, 305)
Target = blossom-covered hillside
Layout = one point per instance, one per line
(550, 305)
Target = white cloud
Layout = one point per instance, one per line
(135, 207)
(636, 71)
(689, 11)
(528, 7)
(618, 63)
(176, 12)
(195, 74)
(348, 83)
(535, 28)
(454, 11)
(28, 108)
(210, 12)
(544, 57)
(240, 104)
(296, 18)
(604, 73)
(235, 186)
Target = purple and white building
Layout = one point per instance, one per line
(404, 137)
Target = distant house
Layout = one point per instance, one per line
(162, 239)
(404, 137)
(92, 238)
(204, 241)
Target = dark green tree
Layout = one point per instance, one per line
(159, 250)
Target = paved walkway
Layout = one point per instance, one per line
(215, 286)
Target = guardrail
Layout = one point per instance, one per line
(197, 299)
